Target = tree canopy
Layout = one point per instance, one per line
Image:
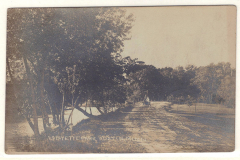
(68, 53)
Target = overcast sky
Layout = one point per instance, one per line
(173, 36)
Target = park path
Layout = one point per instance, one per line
(144, 129)
(140, 129)
(172, 132)
(153, 125)
(156, 130)
(148, 123)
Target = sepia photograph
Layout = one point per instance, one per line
(158, 79)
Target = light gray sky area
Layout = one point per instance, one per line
(173, 36)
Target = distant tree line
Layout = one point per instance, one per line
(214, 83)
(59, 58)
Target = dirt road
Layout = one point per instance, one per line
(155, 130)
(142, 129)
(175, 132)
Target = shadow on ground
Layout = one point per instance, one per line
(108, 133)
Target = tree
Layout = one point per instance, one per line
(51, 41)
(213, 80)
(178, 82)
(148, 80)
(227, 91)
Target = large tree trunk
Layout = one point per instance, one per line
(98, 108)
(35, 118)
(30, 123)
(84, 112)
(57, 114)
(11, 77)
(70, 116)
(62, 111)
(53, 113)
(43, 106)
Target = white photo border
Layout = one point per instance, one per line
(5, 4)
